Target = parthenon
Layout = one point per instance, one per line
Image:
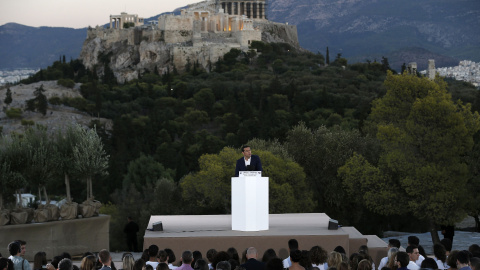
(253, 9)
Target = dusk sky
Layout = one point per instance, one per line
(80, 13)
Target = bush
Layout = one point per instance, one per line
(26, 122)
(14, 113)
(66, 82)
(55, 101)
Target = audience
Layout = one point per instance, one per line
(65, 264)
(275, 264)
(164, 266)
(187, 258)
(295, 257)
(128, 261)
(88, 263)
(200, 264)
(463, 260)
(402, 260)
(334, 259)
(452, 260)
(318, 257)
(152, 256)
(19, 263)
(429, 263)
(292, 246)
(3, 263)
(413, 255)
(210, 255)
(440, 256)
(40, 261)
(415, 241)
(252, 263)
(268, 255)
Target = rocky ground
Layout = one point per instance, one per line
(56, 117)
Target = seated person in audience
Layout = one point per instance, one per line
(365, 264)
(15, 251)
(414, 241)
(318, 257)
(187, 259)
(163, 266)
(40, 261)
(105, 258)
(210, 255)
(295, 257)
(152, 253)
(392, 243)
(413, 255)
(475, 263)
(171, 258)
(440, 256)
(463, 260)
(268, 255)
(88, 263)
(429, 263)
(223, 265)
(402, 260)
(65, 264)
(252, 262)
(200, 264)
(274, 264)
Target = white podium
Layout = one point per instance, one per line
(250, 202)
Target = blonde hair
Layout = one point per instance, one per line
(334, 259)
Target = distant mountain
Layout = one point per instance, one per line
(402, 31)
(369, 29)
(37, 47)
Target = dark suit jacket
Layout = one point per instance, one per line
(255, 163)
(253, 264)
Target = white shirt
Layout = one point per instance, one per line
(322, 266)
(420, 260)
(412, 266)
(440, 264)
(153, 264)
(247, 162)
(287, 263)
(383, 263)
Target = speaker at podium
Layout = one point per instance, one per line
(250, 201)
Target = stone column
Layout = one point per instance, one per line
(258, 10)
(110, 22)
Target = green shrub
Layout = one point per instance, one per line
(14, 113)
(55, 100)
(26, 122)
(66, 82)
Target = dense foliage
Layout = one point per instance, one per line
(176, 136)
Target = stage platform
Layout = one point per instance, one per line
(215, 231)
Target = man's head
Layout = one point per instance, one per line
(246, 151)
(295, 255)
(413, 240)
(187, 257)
(162, 256)
(393, 243)
(292, 244)
(413, 253)
(223, 265)
(402, 259)
(447, 243)
(65, 264)
(104, 257)
(251, 253)
(14, 248)
(23, 247)
(475, 263)
(211, 254)
(463, 258)
(153, 251)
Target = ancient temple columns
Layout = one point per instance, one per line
(250, 8)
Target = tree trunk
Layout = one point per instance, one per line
(91, 188)
(67, 186)
(39, 195)
(433, 232)
(1, 201)
(47, 200)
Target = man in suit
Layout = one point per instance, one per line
(105, 259)
(252, 263)
(248, 162)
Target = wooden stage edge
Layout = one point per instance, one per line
(215, 231)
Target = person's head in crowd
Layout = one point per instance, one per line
(475, 263)
(210, 254)
(292, 244)
(139, 264)
(463, 259)
(74, 267)
(305, 260)
(295, 256)
(39, 260)
(220, 256)
(104, 257)
(452, 259)
(233, 263)
(318, 255)
(402, 259)
(65, 264)
(162, 256)
(196, 256)
(475, 250)
(392, 252)
(440, 252)
(171, 255)
(3, 263)
(88, 263)
(10, 265)
(268, 255)
(233, 254)
(334, 258)
(364, 251)
(23, 247)
(200, 264)
(187, 257)
(14, 248)
(66, 255)
(148, 267)
(343, 266)
(394, 243)
(128, 261)
(429, 263)
(145, 255)
(339, 249)
(251, 253)
(223, 265)
(364, 265)
(353, 261)
(152, 253)
(447, 243)
(274, 264)
(244, 256)
(164, 266)
(413, 240)
(413, 253)
(55, 261)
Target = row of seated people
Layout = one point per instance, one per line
(316, 258)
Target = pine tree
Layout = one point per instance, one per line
(8, 98)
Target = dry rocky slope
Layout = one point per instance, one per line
(56, 118)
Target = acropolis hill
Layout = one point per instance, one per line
(202, 34)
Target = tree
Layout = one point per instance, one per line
(424, 136)
(145, 170)
(39, 103)
(90, 158)
(208, 190)
(8, 97)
